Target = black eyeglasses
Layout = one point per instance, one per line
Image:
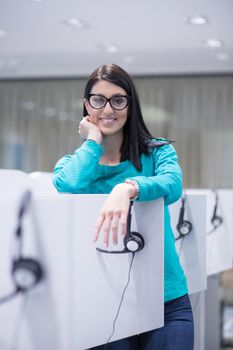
(117, 102)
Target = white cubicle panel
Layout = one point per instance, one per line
(213, 313)
(220, 237)
(13, 181)
(192, 248)
(74, 307)
(198, 307)
(44, 179)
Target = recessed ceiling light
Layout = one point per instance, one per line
(112, 49)
(223, 56)
(2, 33)
(195, 20)
(75, 23)
(214, 43)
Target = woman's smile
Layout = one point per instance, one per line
(107, 121)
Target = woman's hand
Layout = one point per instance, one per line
(114, 213)
(88, 130)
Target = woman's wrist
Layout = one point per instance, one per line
(94, 136)
(135, 186)
(129, 189)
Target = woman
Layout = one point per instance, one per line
(120, 157)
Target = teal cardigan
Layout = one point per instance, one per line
(160, 176)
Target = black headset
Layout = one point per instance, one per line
(216, 220)
(133, 241)
(184, 227)
(26, 272)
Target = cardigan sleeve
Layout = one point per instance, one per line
(167, 179)
(74, 173)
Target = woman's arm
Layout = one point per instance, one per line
(167, 181)
(74, 173)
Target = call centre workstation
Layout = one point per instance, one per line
(116, 179)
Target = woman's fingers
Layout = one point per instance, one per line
(114, 214)
(124, 217)
(114, 228)
(109, 224)
(88, 129)
(97, 227)
(106, 230)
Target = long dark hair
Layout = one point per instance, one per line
(136, 136)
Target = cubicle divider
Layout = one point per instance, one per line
(219, 258)
(188, 219)
(191, 247)
(217, 241)
(219, 231)
(82, 287)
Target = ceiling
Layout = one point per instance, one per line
(152, 37)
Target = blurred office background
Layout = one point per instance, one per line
(39, 122)
(180, 54)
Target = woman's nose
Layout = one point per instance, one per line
(108, 108)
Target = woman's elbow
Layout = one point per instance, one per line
(62, 185)
(69, 186)
(175, 191)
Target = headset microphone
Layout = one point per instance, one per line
(184, 227)
(133, 241)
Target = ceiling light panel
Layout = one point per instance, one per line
(195, 20)
(112, 49)
(75, 23)
(214, 43)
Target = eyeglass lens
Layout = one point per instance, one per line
(116, 102)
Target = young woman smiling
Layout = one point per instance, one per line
(120, 157)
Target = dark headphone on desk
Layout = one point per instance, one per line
(26, 272)
(184, 227)
(216, 220)
(133, 241)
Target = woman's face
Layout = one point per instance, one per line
(109, 120)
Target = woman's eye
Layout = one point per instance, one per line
(98, 99)
(117, 100)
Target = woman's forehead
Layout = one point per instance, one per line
(106, 88)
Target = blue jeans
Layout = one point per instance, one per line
(176, 334)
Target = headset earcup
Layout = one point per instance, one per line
(134, 242)
(216, 220)
(184, 228)
(26, 273)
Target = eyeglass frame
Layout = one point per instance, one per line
(128, 98)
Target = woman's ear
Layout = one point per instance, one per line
(87, 106)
